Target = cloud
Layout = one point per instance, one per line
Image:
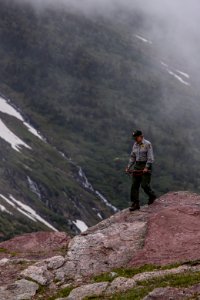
(172, 24)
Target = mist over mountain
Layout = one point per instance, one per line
(85, 76)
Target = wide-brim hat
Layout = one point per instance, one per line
(137, 133)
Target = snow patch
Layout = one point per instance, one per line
(106, 201)
(34, 131)
(34, 187)
(84, 180)
(164, 64)
(80, 225)
(144, 40)
(7, 200)
(11, 138)
(177, 74)
(27, 215)
(8, 109)
(32, 213)
(183, 74)
(89, 186)
(86, 184)
(179, 78)
(3, 209)
(26, 210)
(98, 213)
(100, 216)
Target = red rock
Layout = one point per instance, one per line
(173, 231)
(35, 245)
(166, 232)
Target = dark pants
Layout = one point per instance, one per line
(143, 181)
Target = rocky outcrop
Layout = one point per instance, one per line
(122, 284)
(169, 293)
(173, 233)
(42, 272)
(20, 290)
(110, 245)
(90, 290)
(36, 245)
(22, 251)
(166, 232)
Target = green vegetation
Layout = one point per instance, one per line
(145, 287)
(2, 250)
(45, 293)
(180, 280)
(12, 253)
(123, 272)
(62, 293)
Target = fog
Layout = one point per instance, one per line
(172, 24)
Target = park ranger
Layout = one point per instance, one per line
(141, 159)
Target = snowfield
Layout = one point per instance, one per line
(106, 201)
(183, 74)
(26, 211)
(179, 78)
(84, 180)
(144, 40)
(3, 209)
(80, 225)
(11, 138)
(177, 74)
(8, 109)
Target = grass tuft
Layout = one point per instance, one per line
(62, 293)
(3, 250)
(123, 272)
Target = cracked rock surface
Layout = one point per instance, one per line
(20, 290)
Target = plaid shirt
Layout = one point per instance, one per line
(142, 152)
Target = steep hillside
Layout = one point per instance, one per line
(84, 84)
(152, 253)
(40, 187)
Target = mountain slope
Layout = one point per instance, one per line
(39, 185)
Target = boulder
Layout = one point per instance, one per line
(95, 289)
(111, 245)
(20, 290)
(39, 274)
(119, 285)
(170, 293)
(55, 262)
(4, 261)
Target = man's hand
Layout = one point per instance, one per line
(145, 170)
(127, 170)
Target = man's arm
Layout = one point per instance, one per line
(131, 160)
(150, 156)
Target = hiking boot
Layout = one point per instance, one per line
(135, 206)
(151, 200)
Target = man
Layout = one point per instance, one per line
(141, 159)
